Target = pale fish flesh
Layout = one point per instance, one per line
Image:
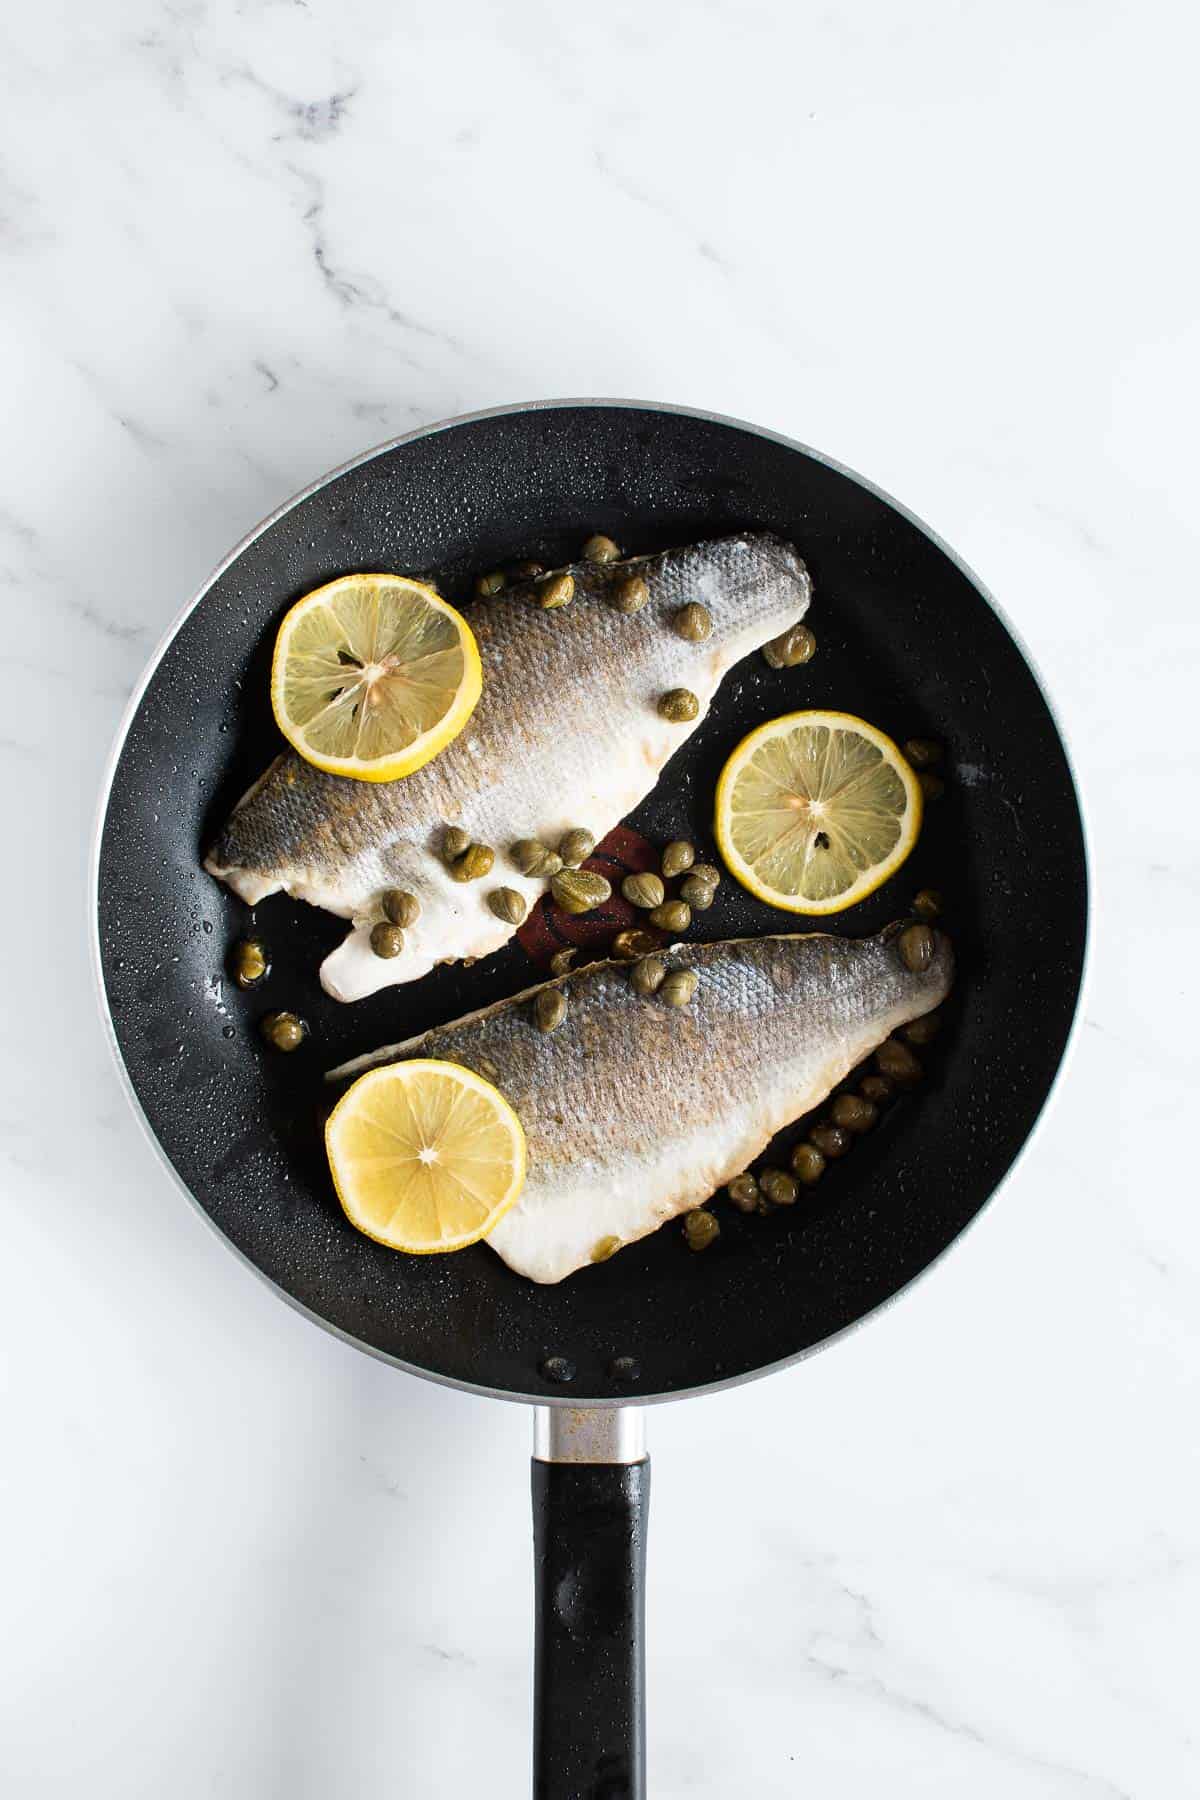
(635, 1111)
(566, 735)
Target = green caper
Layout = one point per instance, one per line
(793, 646)
(554, 591)
(283, 1030)
(647, 975)
(576, 847)
(578, 890)
(630, 595)
(679, 705)
(853, 1113)
(897, 1062)
(561, 961)
(645, 891)
(400, 907)
(778, 1187)
(672, 915)
(922, 753)
(603, 1248)
(693, 623)
(877, 1089)
(631, 943)
(600, 549)
(743, 1191)
(928, 903)
(706, 873)
(808, 1164)
(677, 858)
(700, 1229)
(386, 940)
(507, 904)
(454, 842)
(533, 858)
(932, 786)
(550, 1009)
(474, 862)
(830, 1140)
(923, 1030)
(528, 570)
(250, 963)
(918, 947)
(678, 987)
(489, 584)
(698, 894)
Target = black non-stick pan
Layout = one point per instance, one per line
(908, 640)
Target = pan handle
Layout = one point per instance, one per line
(591, 1498)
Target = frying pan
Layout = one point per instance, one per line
(908, 639)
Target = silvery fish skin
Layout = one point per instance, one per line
(635, 1111)
(566, 734)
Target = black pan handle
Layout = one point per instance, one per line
(591, 1497)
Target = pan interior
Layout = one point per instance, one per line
(904, 638)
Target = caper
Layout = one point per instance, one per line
(576, 847)
(400, 907)
(795, 645)
(693, 623)
(249, 963)
(647, 975)
(490, 584)
(578, 890)
(932, 786)
(600, 549)
(677, 858)
(454, 842)
(923, 1030)
(678, 987)
(528, 570)
(554, 591)
(644, 890)
(283, 1030)
(603, 1248)
(877, 1089)
(830, 1140)
(561, 961)
(928, 903)
(743, 1191)
(918, 947)
(700, 1229)
(550, 1009)
(533, 858)
(630, 595)
(386, 940)
(922, 753)
(698, 894)
(672, 915)
(631, 943)
(474, 862)
(679, 705)
(808, 1164)
(897, 1062)
(853, 1113)
(706, 873)
(507, 904)
(778, 1187)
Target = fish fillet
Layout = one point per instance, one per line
(566, 734)
(635, 1111)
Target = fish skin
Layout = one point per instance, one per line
(566, 734)
(635, 1111)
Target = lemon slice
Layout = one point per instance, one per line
(373, 675)
(425, 1156)
(815, 811)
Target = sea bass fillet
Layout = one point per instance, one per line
(566, 734)
(635, 1111)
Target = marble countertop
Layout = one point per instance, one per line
(947, 245)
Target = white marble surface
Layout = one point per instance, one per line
(951, 245)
